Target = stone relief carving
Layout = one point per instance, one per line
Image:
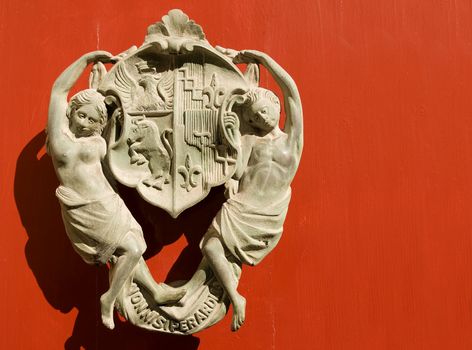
(172, 119)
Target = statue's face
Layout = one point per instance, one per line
(85, 121)
(263, 114)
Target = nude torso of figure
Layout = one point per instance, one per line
(78, 165)
(271, 166)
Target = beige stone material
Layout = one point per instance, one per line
(172, 119)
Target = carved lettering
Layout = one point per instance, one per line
(167, 325)
(174, 325)
(141, 307)
(211, 302)
(133, 290)
(200, 316)
(192, 322)
(135, 299)
(149, 316)
(206, 309)
(184, 326)
(159, 322)
(143, 313)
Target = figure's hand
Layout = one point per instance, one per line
(98, 56)
(231, 123)
(250, 56)
(124, 54)
(118, 114)
(231, 188)
(228, 52)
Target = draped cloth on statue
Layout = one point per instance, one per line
(96, 227)
(250, 233)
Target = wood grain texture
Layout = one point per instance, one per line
(377, 248)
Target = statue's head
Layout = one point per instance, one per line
(87, 113)
(261, 109)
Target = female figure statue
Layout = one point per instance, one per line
(97, 221)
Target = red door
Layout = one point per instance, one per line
(377, 246)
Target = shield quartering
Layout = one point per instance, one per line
(167, 136)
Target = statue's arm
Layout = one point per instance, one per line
(245, 149)
(243, 159)
(292, 102)
(57, 121)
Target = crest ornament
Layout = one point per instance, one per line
(172, 93)
(172, 119)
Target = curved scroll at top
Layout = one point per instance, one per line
(175, 32)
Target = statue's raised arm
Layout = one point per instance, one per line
(293, 107)
(58, 123)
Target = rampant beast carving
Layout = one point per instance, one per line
(146, 145)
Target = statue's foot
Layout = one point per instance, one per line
(107, 311)
(165, 294)
(239, 312)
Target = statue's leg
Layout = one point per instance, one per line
(214, 251)
(128, 254)
(162, 293)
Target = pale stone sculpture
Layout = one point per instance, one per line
(249, 224)
(97, 221)
(179, 118)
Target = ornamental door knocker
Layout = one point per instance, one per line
(172, 119)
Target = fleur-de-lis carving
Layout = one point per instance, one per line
(189, 172)
(214, 93)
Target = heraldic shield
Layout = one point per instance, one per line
(167, 136)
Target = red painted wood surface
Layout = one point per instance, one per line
(376, 252)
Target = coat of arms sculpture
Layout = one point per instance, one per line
(172, 119)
